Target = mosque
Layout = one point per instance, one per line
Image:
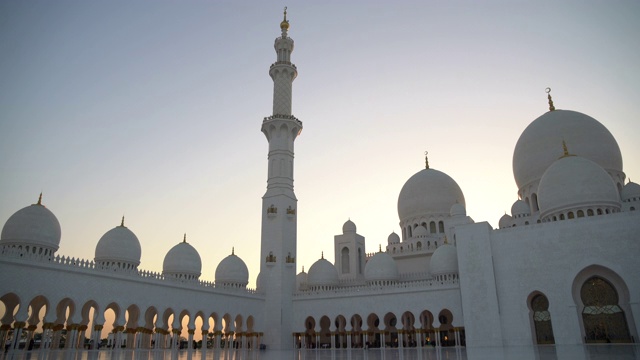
(561, 269)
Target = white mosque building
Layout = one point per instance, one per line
(562, 268)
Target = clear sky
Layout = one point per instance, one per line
(152, 110)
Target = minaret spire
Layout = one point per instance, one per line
(278, 234)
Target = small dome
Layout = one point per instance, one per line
(301, 280)
(520, 208)
(458, 210)
(420, 231)
(119, 245)
(537, 148)
(630, 191)
(322, 273)
(182, 259)
(259, 285)
(232, 270)
(575, 182)
(444, 260)
(349, 227)
(381, 267)
(428, 192)
(506, 221)
(32, 225)
(393, 238)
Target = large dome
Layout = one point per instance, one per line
(537, 147)
(573, 182)
(119, 245)
(182, 260)
(381, 267)
(322, 273)
(428, 192)
(33, 225)
(232, 271)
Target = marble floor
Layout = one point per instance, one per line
(550, 352)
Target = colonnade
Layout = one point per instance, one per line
(401, 338)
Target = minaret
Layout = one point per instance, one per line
(279, 203)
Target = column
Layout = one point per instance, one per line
(18, 326)
(205, 341)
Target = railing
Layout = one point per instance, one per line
(282, 116)
(91, 266)
(400, 285)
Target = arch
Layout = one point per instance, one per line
(341, 329)
(390, 331)
(344, 257)
(441, 226)
(432, 227)
(325, 332)
(540, 318)
(447, 336)
(602, 299)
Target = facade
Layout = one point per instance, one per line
(560, 269)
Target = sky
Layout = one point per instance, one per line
(152, 110)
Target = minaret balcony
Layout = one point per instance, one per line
(282, 117)
(283, 63)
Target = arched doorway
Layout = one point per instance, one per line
(604, 321)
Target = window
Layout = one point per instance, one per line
(542, 320)
(604, 321)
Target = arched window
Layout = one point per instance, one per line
(604, 321)
(419, 246)
(441, 226)
(561, 216)
(580, 213)
(632, 208)
(590, 212)
(432, 227)
(570, 215)
(542, 320)
(345, 260)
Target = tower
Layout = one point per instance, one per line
(279, 203)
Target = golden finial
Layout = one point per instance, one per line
(233, 250)
(284, 25)
(379, 247)
(184, 239)
(302, 268)
(445, 239)
(426, 159)
(40, 199)
(565, 150)
(122, 222)
(551, 107)
(322, 255)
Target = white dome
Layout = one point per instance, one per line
(393, 238)
(259, 285)
(506, 221)
(575, 182)
(118, 245)
(520, 208)
(458, 210)
(538, 146)
(349, 227)
(232, 270)
(444, 260)
(420, 231)
(301, 280)
(182, 259)
(630, 191)
(32, 225)
(381, 267)
(322, 272)
(428, 192)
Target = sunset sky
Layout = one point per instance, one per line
(152, 110)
